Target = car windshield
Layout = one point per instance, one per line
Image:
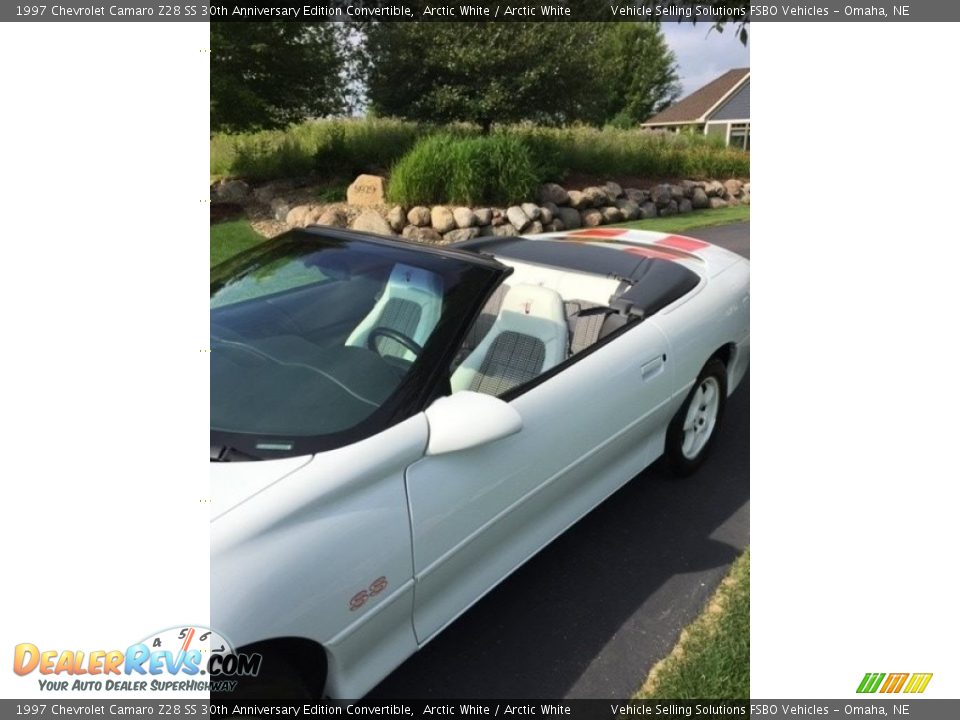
(319, 340)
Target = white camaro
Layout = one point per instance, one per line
(395, 428)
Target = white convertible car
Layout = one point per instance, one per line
(395, 428)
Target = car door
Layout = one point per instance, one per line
(477, 514)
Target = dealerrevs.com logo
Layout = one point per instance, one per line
(894, 682)
(181, 659)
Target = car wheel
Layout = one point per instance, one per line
(278, 680)
(692, 431)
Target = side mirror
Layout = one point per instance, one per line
(468, 419)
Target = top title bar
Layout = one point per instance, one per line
(707, 12)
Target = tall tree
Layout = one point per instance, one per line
(507, 72)
(638, 72)
(481, 72)
(270, 74)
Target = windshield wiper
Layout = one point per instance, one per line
(225, 453)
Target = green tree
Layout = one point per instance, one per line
(481, 72)
(637, 71)
(269, 74)
(508, 72)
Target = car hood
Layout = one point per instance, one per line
(233, 482)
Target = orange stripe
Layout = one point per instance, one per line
(903, 679)
(886, 684)
(598, 232)
(679, 242)
(186, 640)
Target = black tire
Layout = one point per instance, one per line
(278, 680)
(687, 448)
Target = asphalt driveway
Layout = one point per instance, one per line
(590, 615)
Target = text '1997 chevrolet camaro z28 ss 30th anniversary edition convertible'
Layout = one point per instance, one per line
(395, 428)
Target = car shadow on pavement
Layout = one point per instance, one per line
(590, 614)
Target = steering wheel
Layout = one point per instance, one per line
(395, 335)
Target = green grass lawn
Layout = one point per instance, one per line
(712, 658)
(229, 238)
(690, 221)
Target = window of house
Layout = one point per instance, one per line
(740, 136)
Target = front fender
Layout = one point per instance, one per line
(323, 552)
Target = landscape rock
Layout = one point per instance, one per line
(716, 202)
(684, 206)
(534, 228)
(676, 192)
(332, 217)
(484, 216)
(461, 234)
(397, 218)
(551, 192)
(546, 214)
(591, 217)
(419, 216)
(661, 195)
(464, 217)
(232, 191)
(505, 230)
(485, 230)
(442, 219)
(700, 199)
(279, 209)
(367, 191)
(630, 209)
(715, 188)
(636, 195)
(596, 197)
(671, 208)
(689, 187)
(578, 200)
(648, 210)
(421, 234)
(266, 193)
(531, 211)
(569, 217)
(555, 225)
(611, 215)
(517, 217)
(733, 187)
(614, 191)
(303, 215)
(372, 222)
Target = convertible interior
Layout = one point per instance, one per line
(344, 341)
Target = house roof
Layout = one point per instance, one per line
(695, 107)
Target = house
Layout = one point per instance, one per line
(720, 108)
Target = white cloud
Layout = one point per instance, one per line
(703, 53)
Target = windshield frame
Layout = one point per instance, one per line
(427, 378)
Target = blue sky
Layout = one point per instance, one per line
(703, 54)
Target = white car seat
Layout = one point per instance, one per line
(411, 303)
(528, 337)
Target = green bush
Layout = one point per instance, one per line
(459, 164)
(494, 169)
(616, 151)
(325, 147)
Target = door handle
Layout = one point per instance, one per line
(653, 367)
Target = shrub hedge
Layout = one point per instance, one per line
(457, 164)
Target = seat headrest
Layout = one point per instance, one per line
(532, 300)
(406, 277)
